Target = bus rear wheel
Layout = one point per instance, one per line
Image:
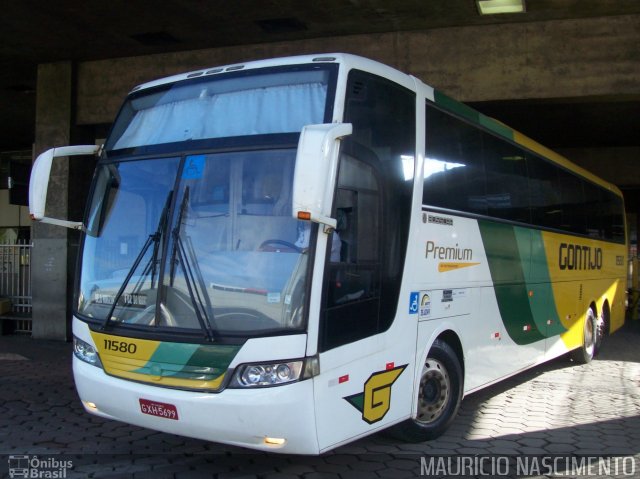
(585, 353)
(602, 327)
(439, 396)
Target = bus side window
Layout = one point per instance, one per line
(507, 183)
(454, 173)
(353, 266)
(354, 245)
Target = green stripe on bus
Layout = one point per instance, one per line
(217, 357)
(189, 361)
(543, 303)
(456, 107)
(472, 115)
(173, 353)
(508, 276)
(496, 127)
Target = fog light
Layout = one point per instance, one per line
(274, 441)
(90, 405)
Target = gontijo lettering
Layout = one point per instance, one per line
(579, 257)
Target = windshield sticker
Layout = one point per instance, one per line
(129, 299)
(193, 167)
(425, 305)
(273, 298)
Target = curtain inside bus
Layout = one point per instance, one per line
(264, 110)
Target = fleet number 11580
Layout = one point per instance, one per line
(120, 346)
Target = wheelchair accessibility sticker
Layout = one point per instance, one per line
(413, 302)
(193, 167)
(420, 304)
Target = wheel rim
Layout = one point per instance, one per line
(589, 333)
(435, 389)
(600, 331)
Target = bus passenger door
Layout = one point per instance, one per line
(367, 354)
(359, 363)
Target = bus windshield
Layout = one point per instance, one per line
(201, 241)
(191, 234)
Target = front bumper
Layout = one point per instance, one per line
(233, 416)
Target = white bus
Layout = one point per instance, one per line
(291, 254)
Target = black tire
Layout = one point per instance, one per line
(439, 397)
(585, 353)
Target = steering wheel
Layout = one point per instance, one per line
(279, 246)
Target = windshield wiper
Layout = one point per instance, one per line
(191, 270)
(153, 238)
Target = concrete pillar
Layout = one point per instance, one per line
(49, 279)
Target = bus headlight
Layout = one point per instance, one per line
(85, 352)
(274, 374)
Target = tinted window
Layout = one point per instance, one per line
(545, 197)
(372, 206)
(454, 175)
(593, 202)
(571, 202)
(507, 185)
(471, 170)
(613, 217)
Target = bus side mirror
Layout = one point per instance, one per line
(316, 170)
(39, 182)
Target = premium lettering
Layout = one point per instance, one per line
(446, 252)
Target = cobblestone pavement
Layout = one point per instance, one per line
(556, 409)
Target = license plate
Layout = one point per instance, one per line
(160, 409)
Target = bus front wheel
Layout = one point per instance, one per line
(585, 353)
(439, 396)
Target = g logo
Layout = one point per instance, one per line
(374, 402)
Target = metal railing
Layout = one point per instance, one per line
(15, 284)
